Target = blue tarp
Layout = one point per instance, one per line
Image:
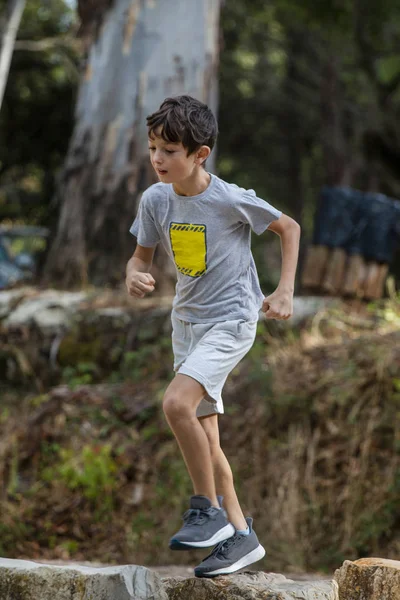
(360, 223)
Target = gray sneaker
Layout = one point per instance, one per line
(204, 526)
(234, 554)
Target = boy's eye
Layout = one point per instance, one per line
(151, 148)
(169, 151)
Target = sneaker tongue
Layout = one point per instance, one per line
(199, 502)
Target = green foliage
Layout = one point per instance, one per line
(93, 471)
(389, 310)
(377, 525)
(38, 400)
(82, 374)
(13, 532)
(13, 480)
(4, 414)
(173, 475)
(37, 113)
(71, 546)
(273, 74)
(144, 362)
(135, 363)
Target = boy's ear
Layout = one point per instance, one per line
(202, 154)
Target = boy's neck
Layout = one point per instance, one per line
(197, 183)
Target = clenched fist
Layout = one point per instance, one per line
(278, 305)
(139, 284)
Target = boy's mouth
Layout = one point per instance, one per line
(162, 171)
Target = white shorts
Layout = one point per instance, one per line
(208, 352)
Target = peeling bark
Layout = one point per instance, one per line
(91, 14)
(143, 53)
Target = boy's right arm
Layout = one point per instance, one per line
(138, 279)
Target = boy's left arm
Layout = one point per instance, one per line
(279, 305)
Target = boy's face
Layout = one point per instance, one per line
(170, 160)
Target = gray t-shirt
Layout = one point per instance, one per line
(208, 237)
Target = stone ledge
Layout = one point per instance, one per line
(249, 586)
(363, 579)
(28, 580)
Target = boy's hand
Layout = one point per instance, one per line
(138, 284)
(278, 305)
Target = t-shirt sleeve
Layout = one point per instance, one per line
(144, 227)
(256, 212)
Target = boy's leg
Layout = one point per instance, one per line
(205, 524)
(243, 548)
(223, 472)
(181, 399)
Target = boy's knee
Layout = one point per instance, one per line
(175, 407)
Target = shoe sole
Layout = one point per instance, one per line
(253, 556)
(223, 534)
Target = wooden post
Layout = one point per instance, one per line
(314, 266)
(370, 282)
(379, 288)
(355, 275)
(335, 271)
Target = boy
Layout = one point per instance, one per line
(204, 224)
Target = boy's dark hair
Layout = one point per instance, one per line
(187, 120)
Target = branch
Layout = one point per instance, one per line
(48, 44)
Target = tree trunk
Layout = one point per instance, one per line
(143, 52)
(337, 167)
(9, 24)
(292, 125)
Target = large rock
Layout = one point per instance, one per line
(51, 309)
(369, 579)
(26, 580)
(250, 586)
(41, 333)
(10, 298)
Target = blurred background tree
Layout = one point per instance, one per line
(136, 54)
(10, 19)
(309, 95)
(37, 112)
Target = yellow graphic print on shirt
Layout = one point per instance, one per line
(188, 242)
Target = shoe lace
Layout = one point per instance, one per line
(198, 516)
(222, 547)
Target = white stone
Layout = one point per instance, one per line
(27, 580)
(9, 297)
(52, 318)
(27, 309)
